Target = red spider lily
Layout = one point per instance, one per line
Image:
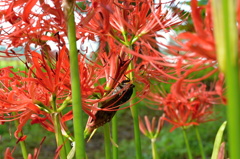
(21, 98)
(128, 21)
(134, 18)
(149, 130)
(32, 22)
(41, 22)
(202, 42)
(31, 97)
(189, 104)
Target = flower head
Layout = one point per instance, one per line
(189, 104)
(151, 130)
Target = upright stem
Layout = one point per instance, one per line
(57, 128)
(226, 37)
(115, 136)
(134, 111)
(107, 141)
(78, 125)
(59, 136)
(22, 143)
(154, 149)
(200, 143)
(233, 109)
(23, 148)
(187, 144)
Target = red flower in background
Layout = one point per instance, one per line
(200, 43)
(189, 104)
(151, 129)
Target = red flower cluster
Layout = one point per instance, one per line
(127, 32)
(189, 104)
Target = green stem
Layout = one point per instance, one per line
(78, 125)
(232, 76)
(154, 149)
(187, 144)
(58, 129)
(65, 103)
(226, 37)
(115, 136)
(137, 138)
(107, 141)
(200, 143)
(22, 143)
(134, 111)
(58, 135)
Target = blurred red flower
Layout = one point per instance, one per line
(201, 43)
(189, 104)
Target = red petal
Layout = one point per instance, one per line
(27, 10)
(8, 154)
(196, 17)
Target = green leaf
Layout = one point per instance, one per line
(218, 140)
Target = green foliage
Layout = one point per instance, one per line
(34, 133)
(17, 64)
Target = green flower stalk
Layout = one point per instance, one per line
(22, 143)
(134, 111)
(226, 38)
(68, 6)
(200, 143)
(187, 143)
(60, 139)
(107, 143)
(151, 132)
(115, 136)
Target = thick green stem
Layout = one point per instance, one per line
(200, 143)
(78, 125)
(226, 37)
(107, 141)
(115, 136)
(232, 77)
(187, 144)
(154, 149)
(22, 143)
